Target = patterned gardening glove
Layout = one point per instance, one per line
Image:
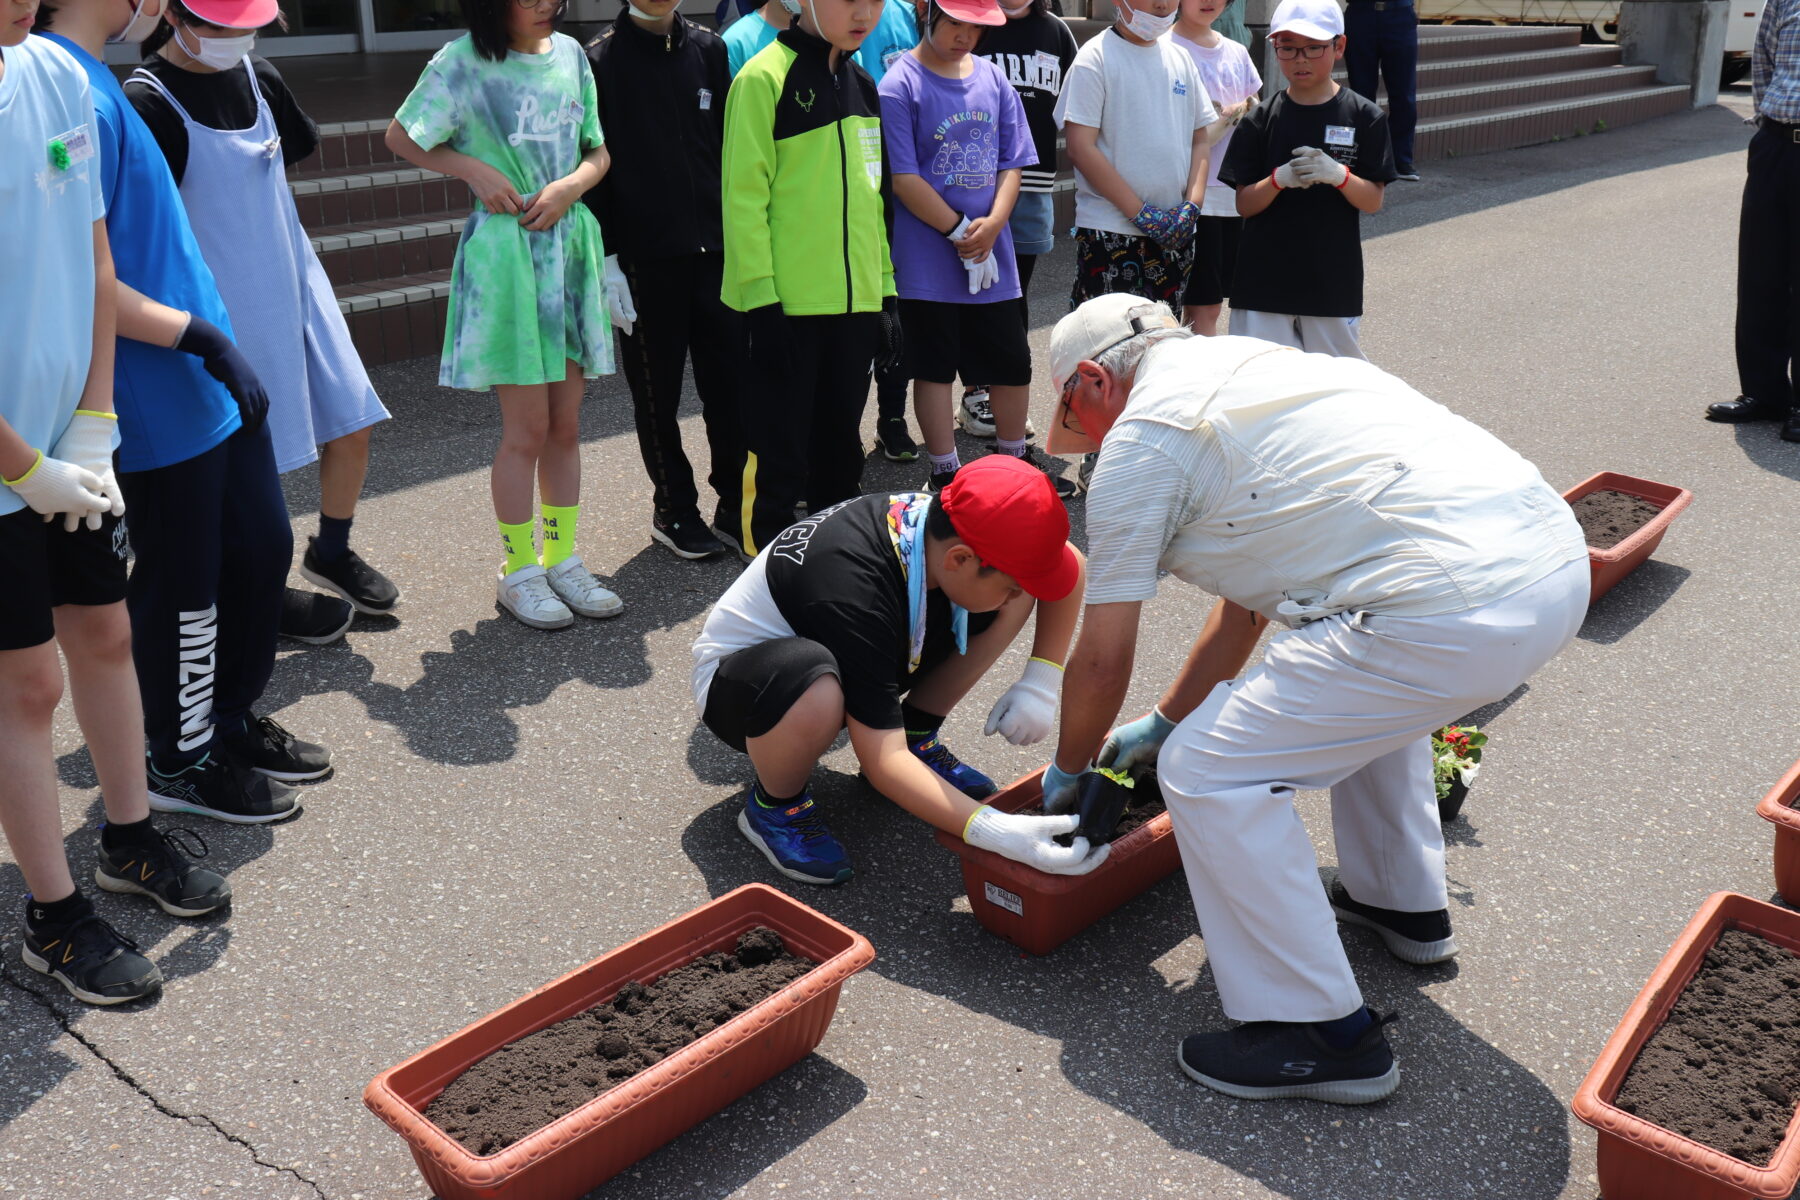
(1157, 224)
(1187, 223)
(893, 340)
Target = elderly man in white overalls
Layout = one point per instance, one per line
(1422, 569)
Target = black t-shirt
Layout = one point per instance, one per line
(836, 579)
(219, 100)
(1034, 53)
(1303, 254)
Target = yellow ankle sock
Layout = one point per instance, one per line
(515, 540)
(559, 531)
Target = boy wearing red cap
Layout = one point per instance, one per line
(880, 614)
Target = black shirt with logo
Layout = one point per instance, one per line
(1303, 254)
(1034, 52)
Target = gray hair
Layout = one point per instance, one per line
(1123, 360)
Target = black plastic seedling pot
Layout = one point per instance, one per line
(1101, 801)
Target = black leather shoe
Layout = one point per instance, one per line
(1790, 429)
(1741, 409)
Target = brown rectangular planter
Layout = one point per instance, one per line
(1778, 808)
(1610, 566)
(1038, 912)
(579, 1151)
(1640, 1160)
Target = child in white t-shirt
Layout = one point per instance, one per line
(1232, 82)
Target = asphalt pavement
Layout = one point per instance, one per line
(509, 804)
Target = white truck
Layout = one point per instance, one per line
(1600, 17)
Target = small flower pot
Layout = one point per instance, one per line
(580, 1150)
(1641, 1160)
(1100, 801)
(1613, 564)
(1038, 912)
(1778, 807)
(1450, 805)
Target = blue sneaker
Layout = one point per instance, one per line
(953, 770)
(794, 840)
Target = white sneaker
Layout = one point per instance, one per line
(526, 595)
(975, 414)
(576, 586)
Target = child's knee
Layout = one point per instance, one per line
(527, 436)
(100, 634)
(31, 685)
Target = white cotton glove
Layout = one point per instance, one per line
(619, 305)
(975, 275)
(1028, 840)
(1316, 166)
(88, 443)
(1287, 175)
(53, 486)
(961, 231)
(991, 266)
(1027, 712)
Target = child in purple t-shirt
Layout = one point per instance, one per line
(956, 138)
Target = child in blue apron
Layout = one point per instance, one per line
(228, 125)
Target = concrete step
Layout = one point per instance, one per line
(1471, 41)
(368, 252)
(1458, 72)
(1509, 126)
(348, 146)
(396, 319)
(1536, 89)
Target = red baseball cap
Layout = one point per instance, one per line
(975, 12)
(235, 14)
(1009, 514)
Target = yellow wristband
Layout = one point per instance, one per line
(92, 412)
(28, 474)
(1045, 661)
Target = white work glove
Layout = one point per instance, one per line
(1287, 175)
(1316, 166)
(618, 296)
(88, 443)
(961, 231)
(53, 486)
(991, 266)
(1029, 840)
(1059, 788)
(1027, 712)
(983, 274)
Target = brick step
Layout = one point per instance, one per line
(374, 251)
(398, 195)
(1537, 89)
(348, 146)
(399, 318)
(1504, 128)
(1466, 41)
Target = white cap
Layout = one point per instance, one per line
(1087, 333)
(1319, 20)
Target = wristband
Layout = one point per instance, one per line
(38, 462)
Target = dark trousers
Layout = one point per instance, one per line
(212, 543)
(804, 429)
(1386, 43)
(680, 316)
(1768, 282)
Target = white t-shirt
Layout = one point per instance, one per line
(1229, 76)
(1146, 101)
(50, 192)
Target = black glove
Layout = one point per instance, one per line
(227, 364)
(893, 340)
(771, 341)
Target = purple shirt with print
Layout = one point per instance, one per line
(958, 135)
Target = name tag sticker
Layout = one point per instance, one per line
(77, 146)
(1340, 135)
(575, 111)
(705, 99)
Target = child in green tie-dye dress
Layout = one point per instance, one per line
(510, 109)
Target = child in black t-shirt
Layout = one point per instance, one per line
(1306, 166)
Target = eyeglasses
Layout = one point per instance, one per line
(1066, 411)
(561, 6)
(1290, 53)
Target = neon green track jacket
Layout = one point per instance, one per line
(805, 184)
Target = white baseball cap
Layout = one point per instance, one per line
(1320, 20)
(1087, 333)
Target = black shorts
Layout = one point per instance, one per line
(754, 688)
(1215, 258)
(978, 341)
(45, 566)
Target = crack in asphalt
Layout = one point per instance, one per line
(125, 1077)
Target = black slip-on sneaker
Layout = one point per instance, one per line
(1276, 1060)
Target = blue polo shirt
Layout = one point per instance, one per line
(169, 408)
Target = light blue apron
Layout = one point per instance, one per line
(282, 307)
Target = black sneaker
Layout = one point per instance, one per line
(939, 481)
(363, 587)
(314, 617)
(1408, 173)
(268, 749)
(896, 441)
(686, 536)
(1084, 474)
(97, 963)
(1417, 938)
(224, 790)
(158, 867)
(1052, 468)
(1275, 1060)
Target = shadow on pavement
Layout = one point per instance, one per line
(1632, 601)
(1467, 1121)
(1761, 443)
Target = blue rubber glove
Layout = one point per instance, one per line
(227, 364)
(1059, 789)
(1134, 747)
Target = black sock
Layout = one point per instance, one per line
(761, 795)
(56, 914)
(918, 723)
(333, 541)
(1344, 1032)
(114, 835)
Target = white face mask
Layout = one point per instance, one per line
(1146, 25)
(640, 14)
(1013, 14)
(221, 54)
(141, 25)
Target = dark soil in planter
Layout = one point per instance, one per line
(1608, 517)
(529, 1083)
(1724, 1067)
(1146, 805)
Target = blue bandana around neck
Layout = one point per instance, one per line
(906, 526)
